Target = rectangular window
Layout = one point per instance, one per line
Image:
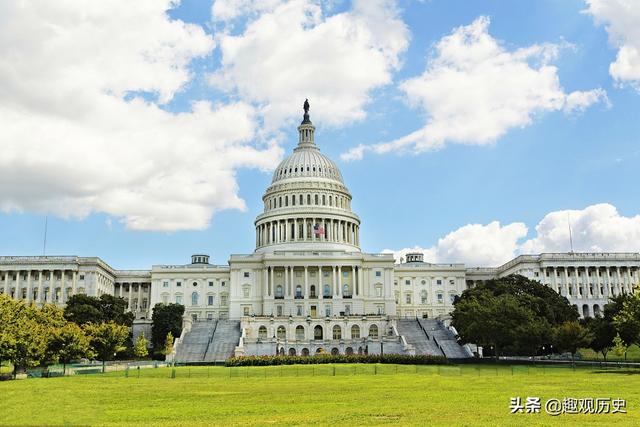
(438, 282)
(210, 300)
(224, 283)
(165, 284)
(178, 299)
(165, 299)
(326, 274)
(327, 310)
(245, 311)
(408, 299)
(378, 273)
(210, 284)
(82, 277)
(345, 274)
(246, 274)
(407, 282)
(452, 282)
(299, 310)
(378, 291)
(279, 311)
(178, 284)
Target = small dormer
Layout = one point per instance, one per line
(199, 259)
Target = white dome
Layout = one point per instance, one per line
(307, 162)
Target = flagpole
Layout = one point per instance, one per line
(44, 244)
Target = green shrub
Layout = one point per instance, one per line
(399, 359)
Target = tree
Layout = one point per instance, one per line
(140, 348)
(627, 320)
(603, 333)
(106, 339)
(166, 318)
(25, 332)
(69, 343)
(82, 309)
(168, 344)
(570, 336)
(514, 315)
(619, 346)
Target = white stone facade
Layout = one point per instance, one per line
(307, 285)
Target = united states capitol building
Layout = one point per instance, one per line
(307, 287)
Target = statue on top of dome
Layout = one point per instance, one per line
(306, 107)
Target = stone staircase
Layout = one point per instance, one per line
(414, 335)
(445, 339)
(224, 341)
(194, 345)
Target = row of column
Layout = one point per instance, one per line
(36, 289)
(624, 283)
(130, 306)
(307, 230)
(290, 284)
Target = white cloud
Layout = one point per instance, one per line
(73, 140)
(621, 19)
(474, 90)
(290, 51)
(474, 244)
(596, 228)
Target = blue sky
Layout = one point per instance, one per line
(579, 163)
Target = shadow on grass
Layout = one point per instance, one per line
(621, 371)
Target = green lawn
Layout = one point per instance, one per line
(305, 394)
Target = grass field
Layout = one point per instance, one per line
(317, 395)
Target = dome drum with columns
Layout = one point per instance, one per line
(307, 205)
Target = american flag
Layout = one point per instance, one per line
(318, 230)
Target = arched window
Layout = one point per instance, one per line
(279, 291)
(337, 332)
(305, 352)
(317, 332)
(355, 332)
(373, 331)
(308, 199)
(330, 200)
(262, 332)
(292, 351)
(280, 201)
(300, 333)
(316, 199)
(194, 298)
(281, 333)
(327, 291)
(324, 200)
(596, 310)
(348, 350)
(298, 291)
(335, 351)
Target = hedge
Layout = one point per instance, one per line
(400, 359)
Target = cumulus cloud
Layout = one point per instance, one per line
(474, 244)
(596, 228)
(76, 135)
(474, 90)
(289, 51)
(621, 19)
